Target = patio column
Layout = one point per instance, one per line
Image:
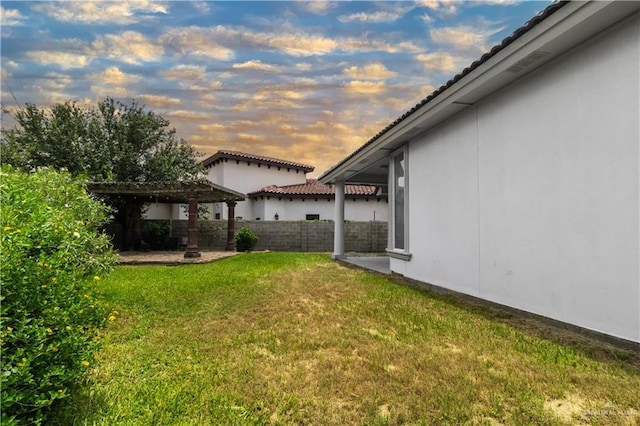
(338, 232)
(192, 229)
(231, 226)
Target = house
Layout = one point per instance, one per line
(288, 195)
(314, 200)
(518, 181)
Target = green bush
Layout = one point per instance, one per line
(51, 260)
(245, 239)
(156, 234)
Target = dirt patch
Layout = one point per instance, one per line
(570, 409)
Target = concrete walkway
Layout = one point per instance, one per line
(373, 263)
(169, 257)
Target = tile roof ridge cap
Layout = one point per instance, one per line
(262, 157)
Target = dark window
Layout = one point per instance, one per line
(398, 196)
(313, 217)
(217, 215)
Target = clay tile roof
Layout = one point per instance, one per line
(315, 188)
(236, 155)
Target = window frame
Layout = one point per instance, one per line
(393, 251)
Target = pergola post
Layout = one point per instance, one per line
(231, 226)
(338, 231)
(192, 229)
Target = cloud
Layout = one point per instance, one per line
(496, 2)
(112, 82)
(185, 73)
(64, 60)
(255, 65)
(88, 12)
(251, 138)
(318, 7)
(461, 38)
(214, 127)
(303, 66)
(113, 76)
(130, 47)
(297, 44)
(446, 7)
(373, 17)
(220, 42)
(6, 67)
(196, 41)
(52, 88)
(288, 40)
(440, 62)
(374, 71)
(10, 17)
(364, 44)
(365, 87)
(201, 6)
(426, 18)
(157, 101)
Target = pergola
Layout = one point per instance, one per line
(183, 192)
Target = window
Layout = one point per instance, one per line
(217, 215)
(313, 217)
(399, 202)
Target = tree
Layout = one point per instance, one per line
(110, 142)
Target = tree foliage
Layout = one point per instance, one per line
(110, 142)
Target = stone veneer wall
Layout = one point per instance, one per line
(298, 236)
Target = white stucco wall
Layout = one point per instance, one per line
(531, 198)
(245, 178)
(444, 205)
(158, 211)
(296, 209)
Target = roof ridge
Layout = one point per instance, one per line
(256, 157)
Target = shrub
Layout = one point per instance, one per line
(156, 234)
(245, 239)
(51, 261)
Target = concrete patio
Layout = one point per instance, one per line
(170, 257)
(374, 263)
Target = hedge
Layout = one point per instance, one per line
(52, 258)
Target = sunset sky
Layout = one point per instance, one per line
(303, 81)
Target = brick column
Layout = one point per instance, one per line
(192, 230)
(231, 226)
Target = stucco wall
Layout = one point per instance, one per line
(296, 209)
(243, 177)
(158, 211)
(531, 197)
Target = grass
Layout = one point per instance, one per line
(279, 338)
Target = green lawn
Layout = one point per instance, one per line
(281, 338)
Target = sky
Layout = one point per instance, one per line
(304, 81)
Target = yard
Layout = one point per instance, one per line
(281, 338)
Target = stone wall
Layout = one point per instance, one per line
(298, 236)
